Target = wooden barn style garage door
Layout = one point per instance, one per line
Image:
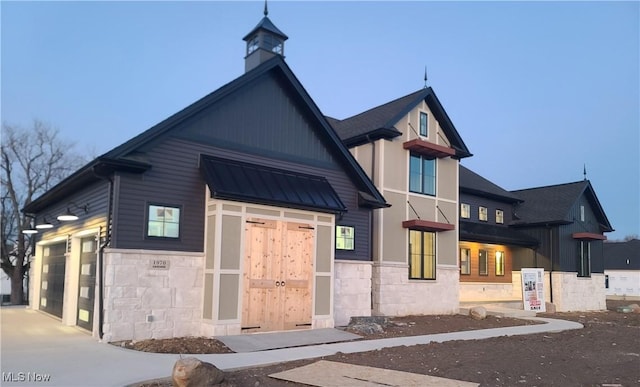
(52, 286)
(87, 288)
(278, 269)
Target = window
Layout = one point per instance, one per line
(482, 213)
(163, 221)
(499, 262)
(422, 175)
(584, 259)
(499, 216)
(423, 124)
(344, 238)
(252, 45)
(422, 255)
(465, 261)
(272, 43)
(582, 213)
(465, 210)
(484, 262)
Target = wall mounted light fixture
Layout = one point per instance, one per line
(70, 216)
(44, 224)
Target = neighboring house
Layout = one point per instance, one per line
(569, 222)
(220, 219)
(487, 243)
(411, 150)
(622, 268)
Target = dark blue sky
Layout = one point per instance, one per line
(536, 90)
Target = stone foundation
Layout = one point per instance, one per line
(152, 294)
(573, 293)
(352, 290)
(395, 295)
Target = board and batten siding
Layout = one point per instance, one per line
(175, 179)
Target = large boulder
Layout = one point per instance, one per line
(192, 372)
(635, 308)
(478, 313)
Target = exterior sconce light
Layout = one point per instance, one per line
(45, 224)
(70, 216)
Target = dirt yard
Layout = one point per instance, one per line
(605, 353)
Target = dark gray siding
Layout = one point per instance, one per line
(261, 119)
(95, 197)
(491, 205)
(175, 179)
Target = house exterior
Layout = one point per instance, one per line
(411, 150)
(488, 244)
(219, 220)
(569, 223)
(622, 269)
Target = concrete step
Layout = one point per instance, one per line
(499, 309)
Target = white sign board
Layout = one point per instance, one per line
(533, 289)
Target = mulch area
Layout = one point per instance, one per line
(605, 352)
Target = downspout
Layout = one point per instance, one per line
(551, 258)
(373, 180)
(103, 246)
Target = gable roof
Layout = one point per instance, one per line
(379, 122)
(126, 153)
(622, 255)
(552, 204)
(472, 183)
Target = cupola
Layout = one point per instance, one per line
(263, 42)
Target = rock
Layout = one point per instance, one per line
(191, 372)
(380, 320)
(478, 313)
(366, 329)
(549, 307)
(635, 308)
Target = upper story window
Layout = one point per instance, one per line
(422, 175)
(499, 216)
(424, 126)
(163, 221)
(483, 213)
(344, 238)
(582, 213)
(465, 210)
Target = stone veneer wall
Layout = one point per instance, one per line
(395, 295)
(489, 292)
(143, 302)
(352, 290)
(573, 293)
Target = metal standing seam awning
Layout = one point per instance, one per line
(253, 183)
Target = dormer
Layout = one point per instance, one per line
(263, 42)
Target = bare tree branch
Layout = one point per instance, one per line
(32, 160)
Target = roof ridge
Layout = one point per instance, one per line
(379, 106)
(551, 186)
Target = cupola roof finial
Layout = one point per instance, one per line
(266, 10)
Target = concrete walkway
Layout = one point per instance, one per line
(36, 346)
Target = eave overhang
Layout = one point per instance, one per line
(90, 173)
(374, 135)
(429, 149)
(588, 236)
(427, 225)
